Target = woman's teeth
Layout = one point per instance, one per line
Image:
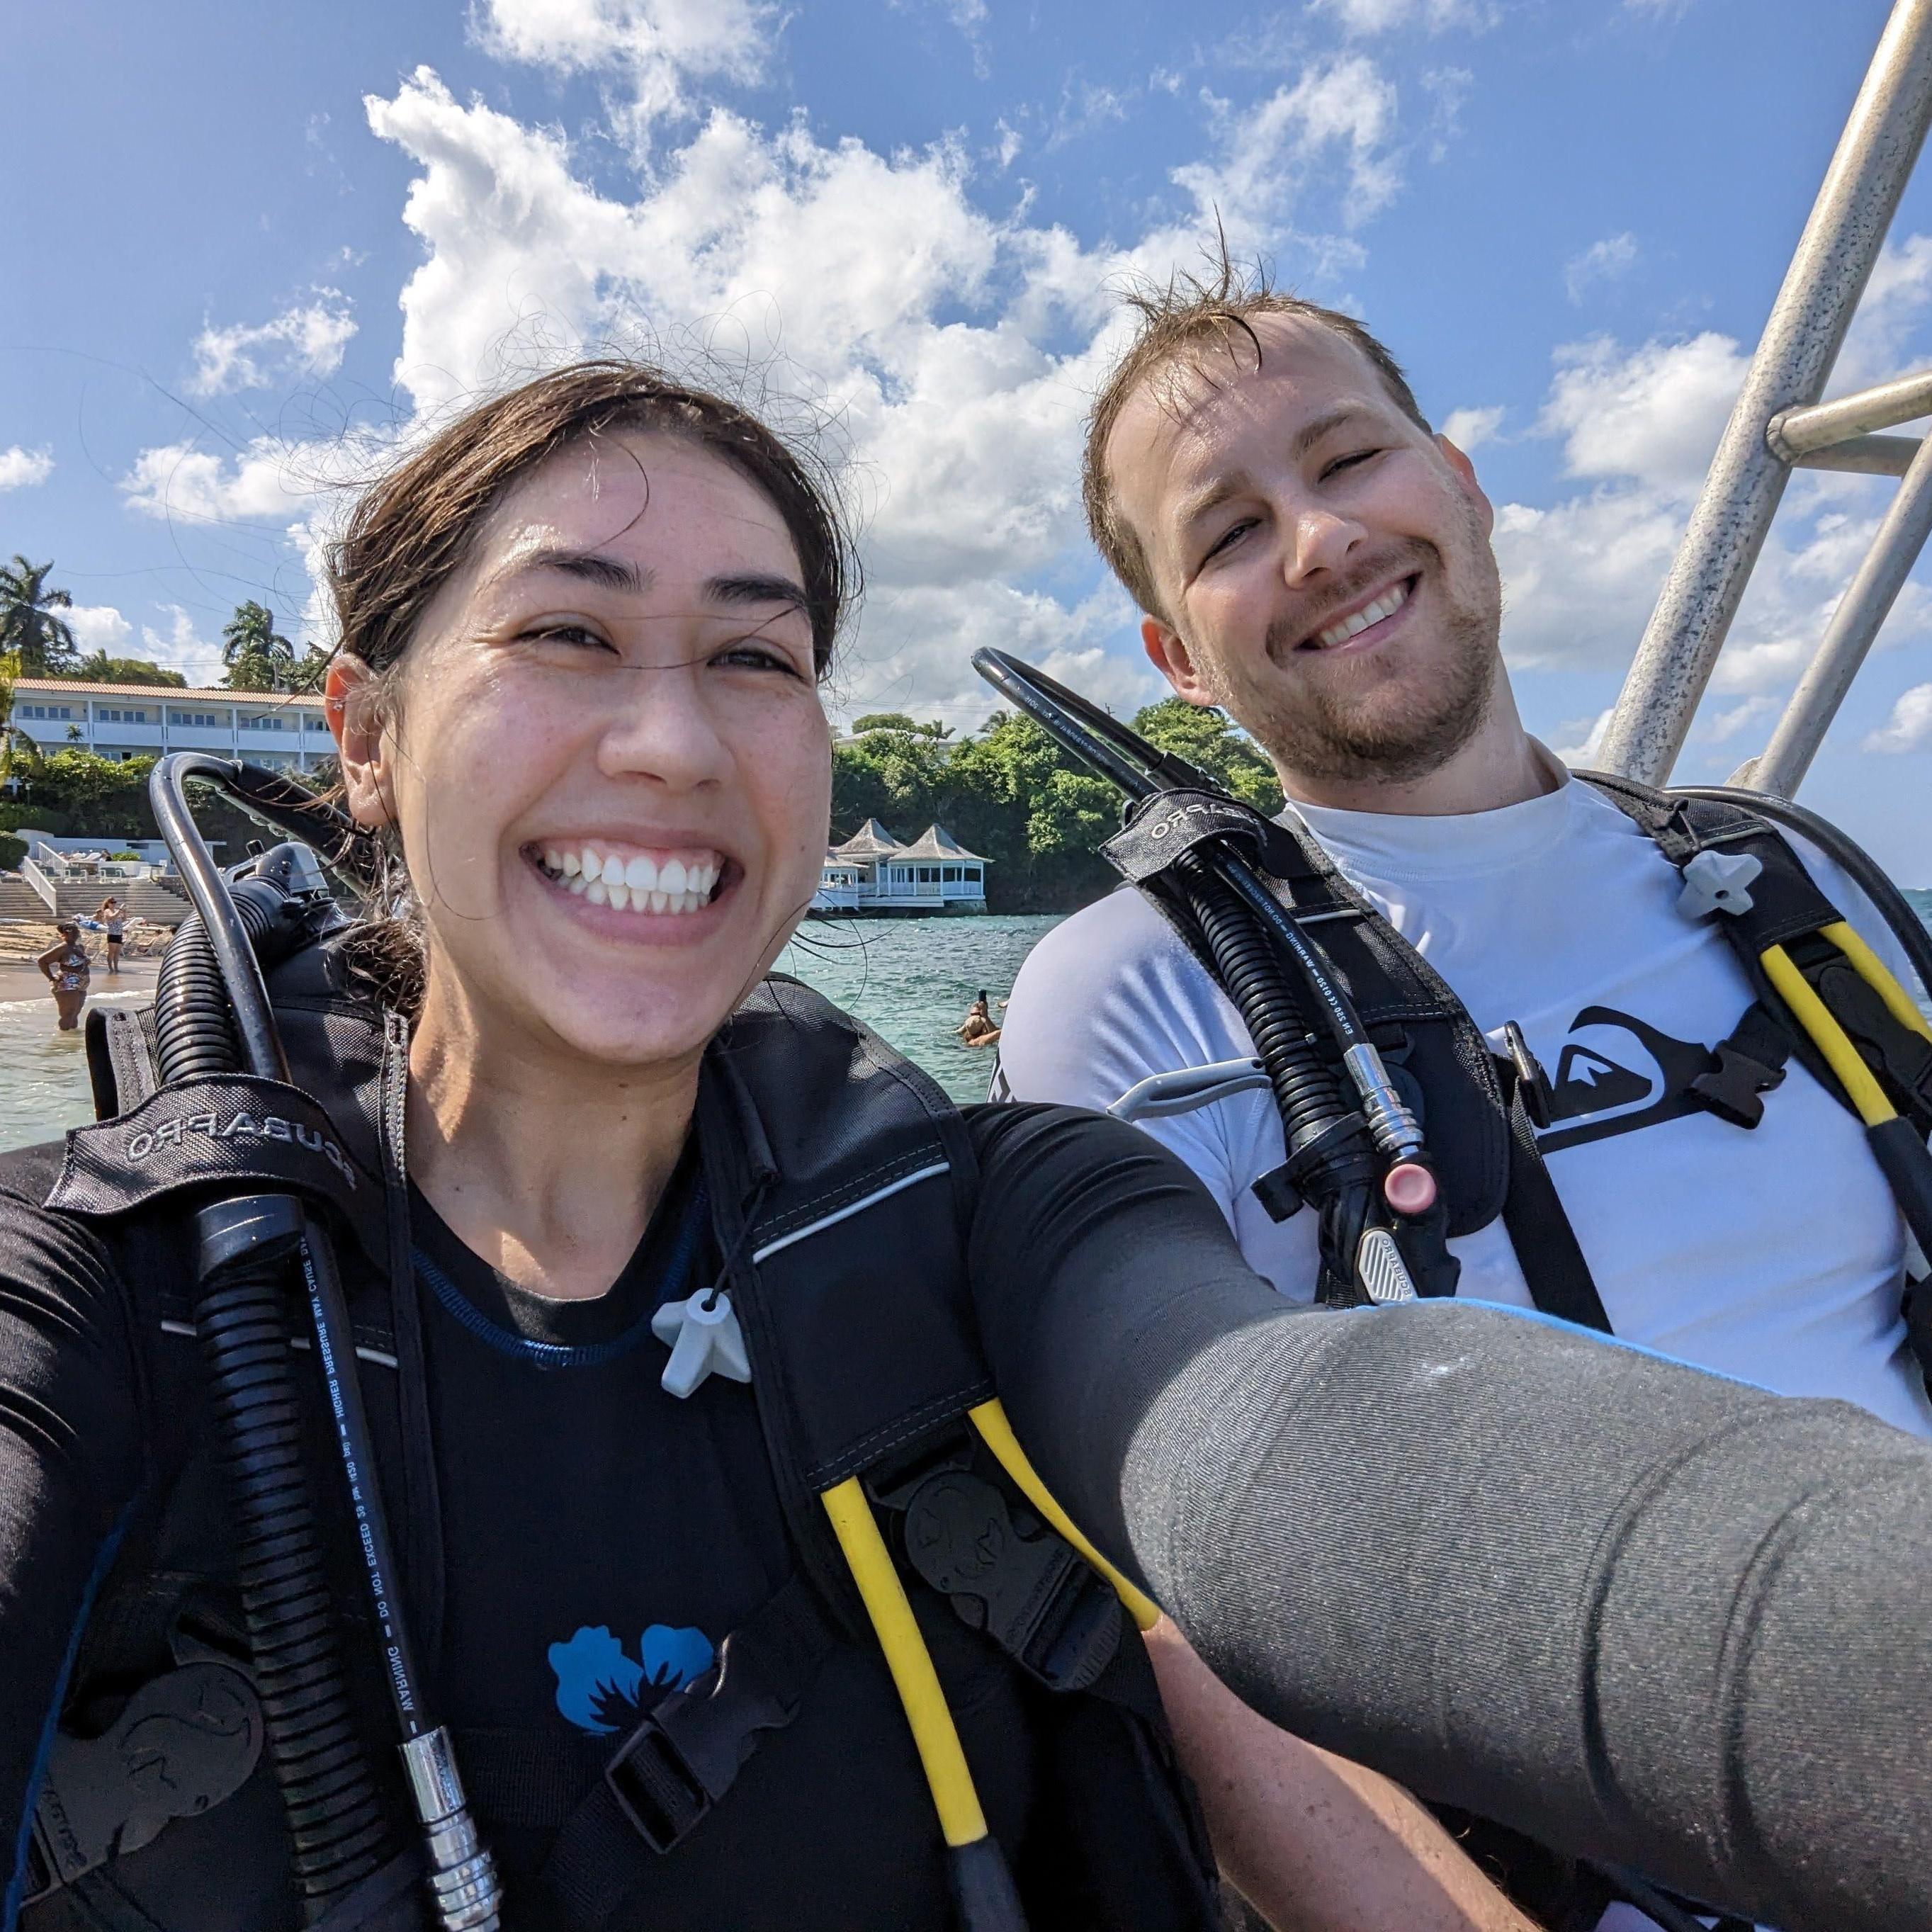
(635, 881)
(1386, 605)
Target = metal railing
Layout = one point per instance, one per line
(41, 884)
(1778, 424)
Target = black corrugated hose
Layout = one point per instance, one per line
(1330, 1152)
(335, 1820)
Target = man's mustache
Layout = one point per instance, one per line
(1404, 560)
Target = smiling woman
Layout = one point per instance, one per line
(680, 1303)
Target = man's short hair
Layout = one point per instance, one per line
(1192, 314)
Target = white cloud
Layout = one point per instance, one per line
(1582, 575)
(1434, 16)
(1470, 429)
(22, 468)
(1655, 412)
(1726, 724)
(305, 342)
(182, 648)
(1910, 727)
(181, 482)
(1579, 741)
(955, 349)
(1603, 261)
(99, 627)
(1343, 108)
(948, 348)
(658, 47)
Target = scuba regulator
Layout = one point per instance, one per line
(257, 1253)
(1356, 1152)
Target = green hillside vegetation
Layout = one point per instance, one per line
(1007, 793)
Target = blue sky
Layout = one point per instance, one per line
(285, 238)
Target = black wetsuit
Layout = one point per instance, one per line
(600, 1537)
(1640, 1612)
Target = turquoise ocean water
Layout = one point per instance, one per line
(910, 979)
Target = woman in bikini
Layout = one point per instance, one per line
(66, 964)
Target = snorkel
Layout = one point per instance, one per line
(1355, 1147)
(256, 1251)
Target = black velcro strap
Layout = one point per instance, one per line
(663, 1780)
(233, 1131)
(1172, 823)
(1546, 1247)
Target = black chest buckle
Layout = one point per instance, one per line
(1004, 1571)
(184, 1742)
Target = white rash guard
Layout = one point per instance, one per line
(1774, 1254)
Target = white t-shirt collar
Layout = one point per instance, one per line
(1404, 845)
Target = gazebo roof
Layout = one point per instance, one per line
(936, 842)
(872, 841)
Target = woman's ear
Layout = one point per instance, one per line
(352, 702)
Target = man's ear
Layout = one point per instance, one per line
(1465, 473)
(351, 702)
(1167, 652)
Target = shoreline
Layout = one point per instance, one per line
(21, 980)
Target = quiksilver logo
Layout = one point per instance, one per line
(242, 1126)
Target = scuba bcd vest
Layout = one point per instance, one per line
(1820, 995)
(840, 1184)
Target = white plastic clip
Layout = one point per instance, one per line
(705, 1340)
(1715, 882)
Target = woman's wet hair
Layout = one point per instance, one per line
(412, 528)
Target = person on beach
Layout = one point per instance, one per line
(67, 969)
(704, 1345)
(113, 921)
(978, 1029)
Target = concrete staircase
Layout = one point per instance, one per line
(19, 900)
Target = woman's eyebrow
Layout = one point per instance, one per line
(612, 573)
(754, 589)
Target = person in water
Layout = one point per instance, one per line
(667, 1281)
(1308, 555)
(112, 918)
(978, 1029)
(67, 969)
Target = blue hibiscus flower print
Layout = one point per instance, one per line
(602, 1689)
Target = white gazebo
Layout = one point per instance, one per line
(873, 872)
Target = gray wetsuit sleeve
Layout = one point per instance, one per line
(1642, 1613)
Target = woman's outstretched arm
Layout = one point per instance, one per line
(1643, 1614)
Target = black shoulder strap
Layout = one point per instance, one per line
(1552, 1258)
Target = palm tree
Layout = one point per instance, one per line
(259, 657)
(43, 643)
(18, 753)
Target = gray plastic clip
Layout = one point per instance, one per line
(1715, 882)
(705, 1341)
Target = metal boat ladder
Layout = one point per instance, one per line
(1778, 424)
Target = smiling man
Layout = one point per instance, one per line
(1310, 557)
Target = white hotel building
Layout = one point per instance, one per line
(142, 721)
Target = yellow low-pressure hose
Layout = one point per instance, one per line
(1875, 974)
(1826, 1034)
(997, 1432)
(962, 1821)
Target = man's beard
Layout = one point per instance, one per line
(1331, 737)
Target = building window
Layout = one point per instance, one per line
(47, 710)
(119, 717)
(928, 875)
